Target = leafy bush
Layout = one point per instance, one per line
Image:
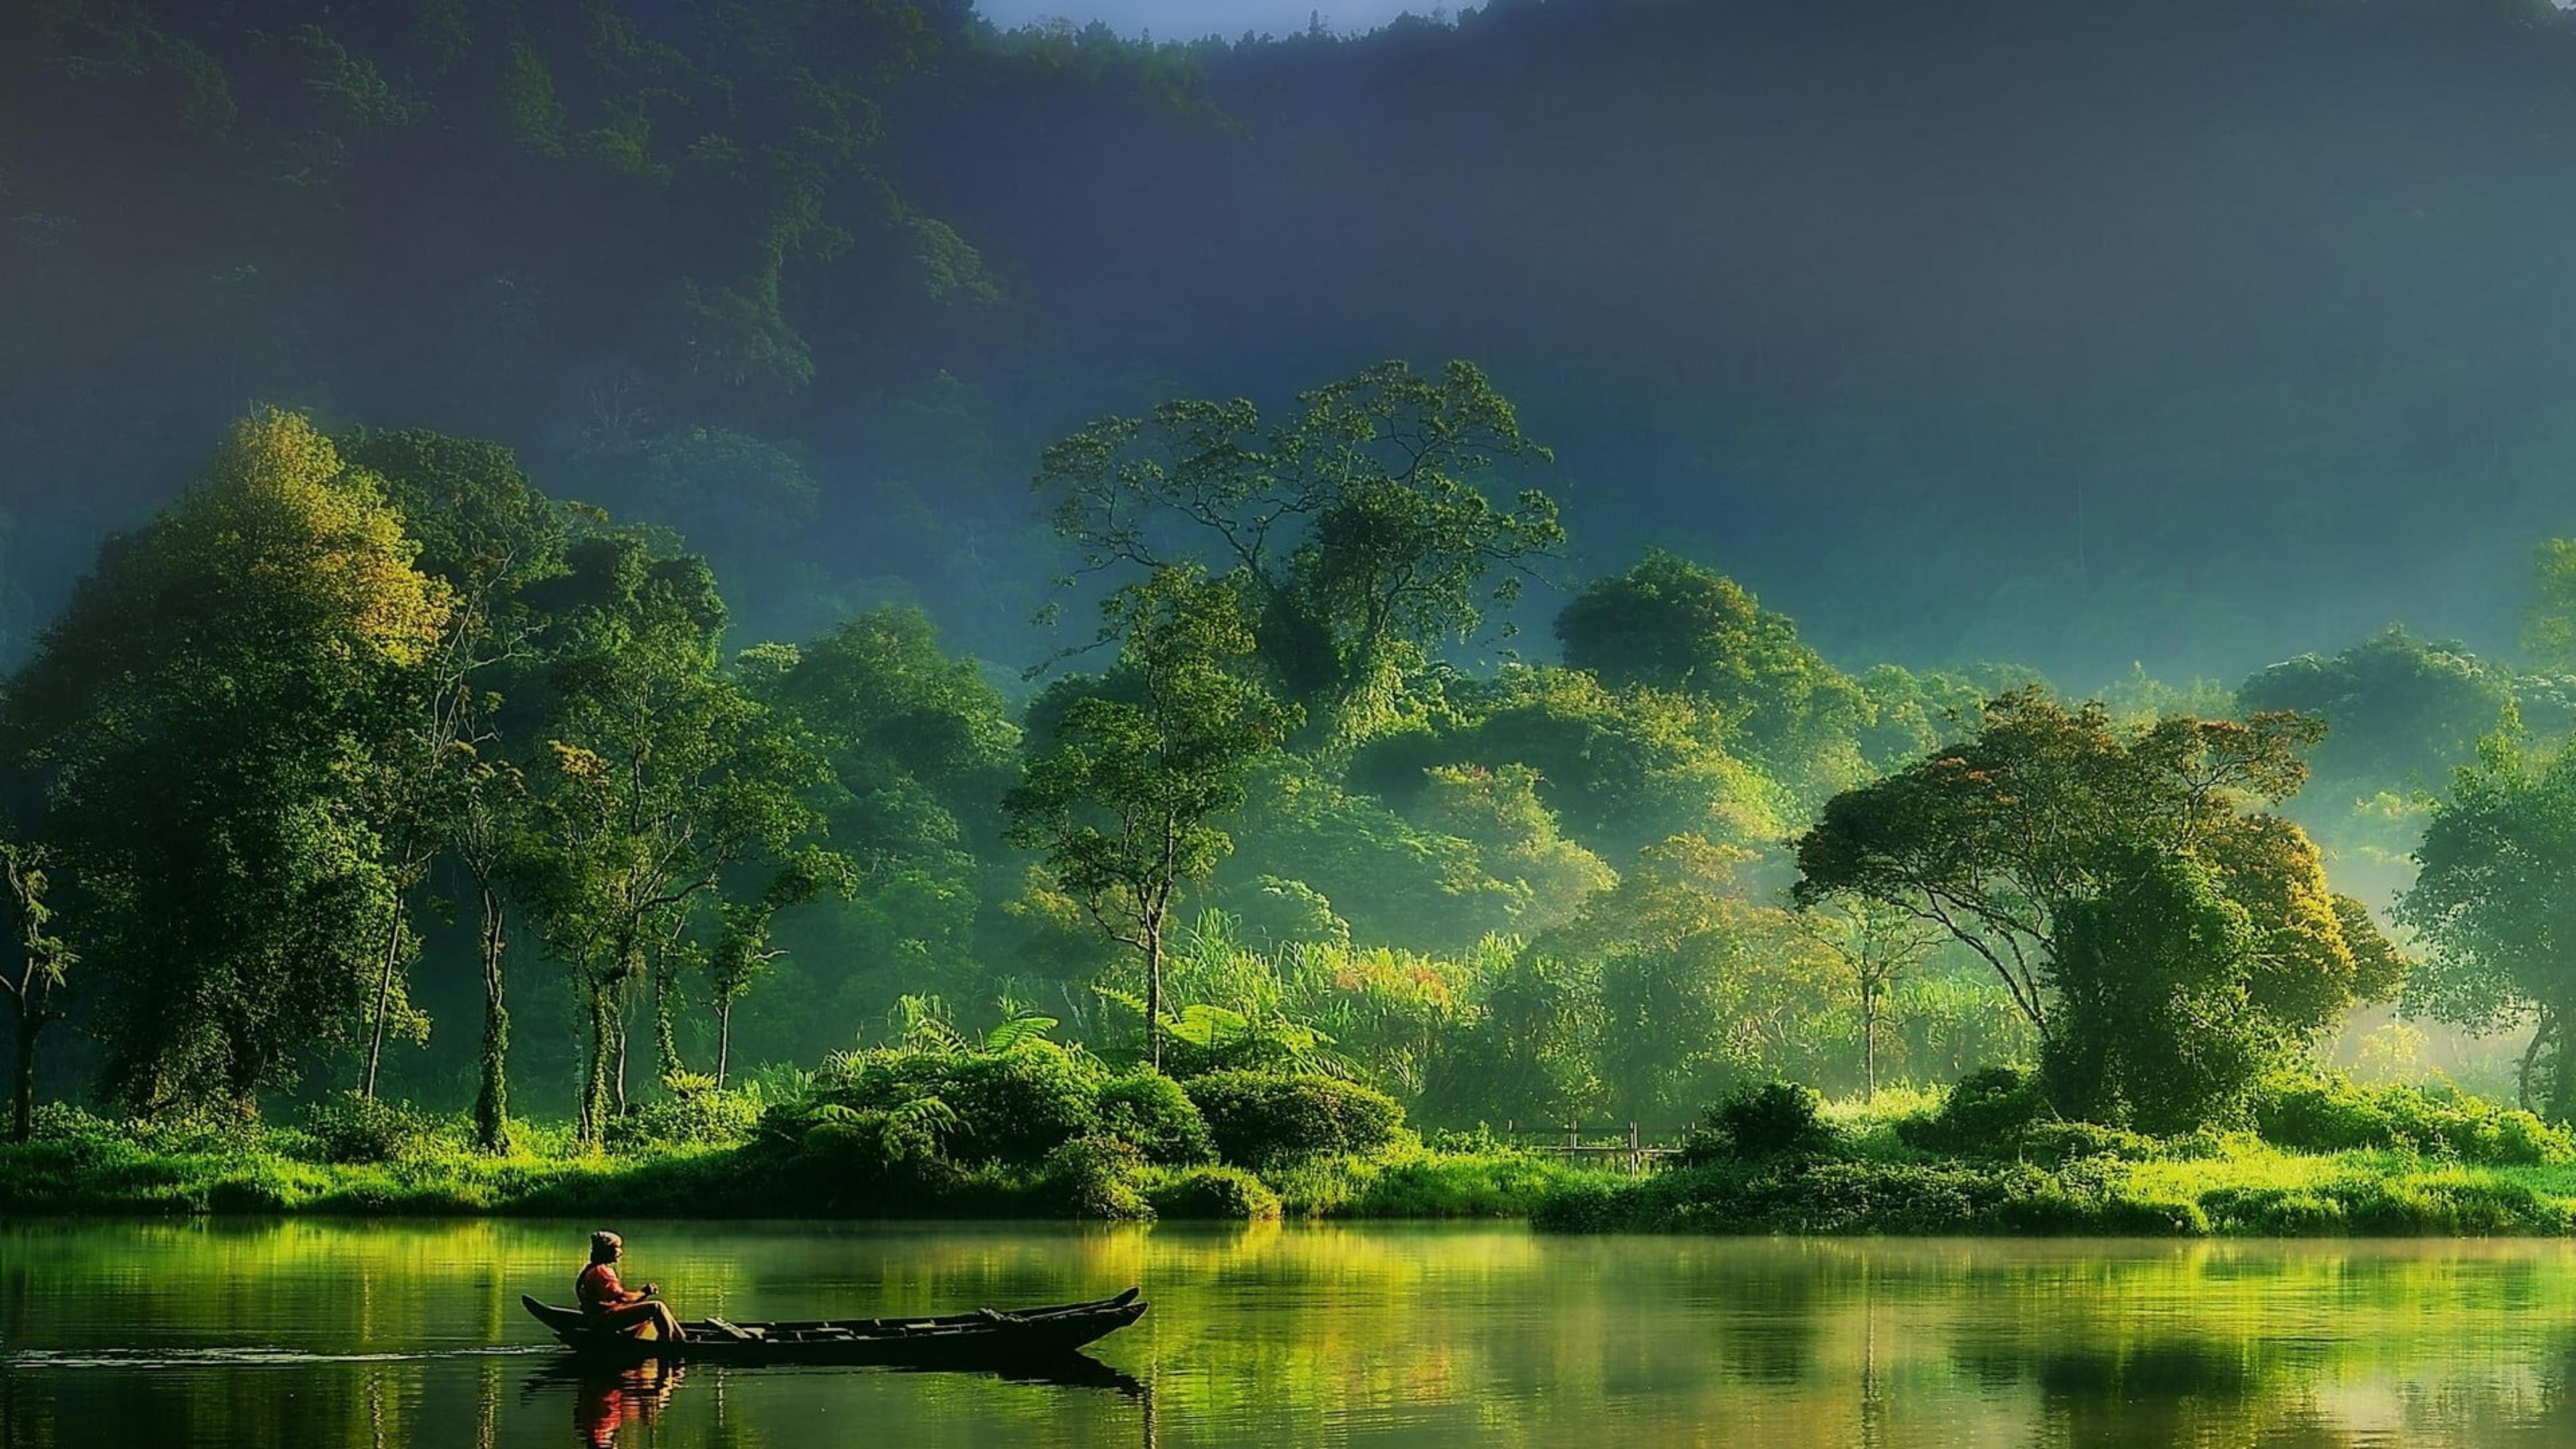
(1013, 1106)
(1986, 1113)
(1772, 1119)
(1262, 1120)
(1151, 1111)
(348, 1128)
(1098, 1178)
(1227, 1193)
(2331, 1114)
(845, 1156)
(2058, 1143)
(700, 1118)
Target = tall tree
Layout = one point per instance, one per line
(1875, 945)
(488, 534)
(44, 960)
(661, 778)
(2034, 844)
(209, 711)
(1357, 523)
(2494, 900)
(1670, 624)
(1124, 800)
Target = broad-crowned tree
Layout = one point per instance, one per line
(1358, 523)
(2048, 819)
(2494, 902)
(210, 712)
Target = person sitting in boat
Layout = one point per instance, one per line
(611, 1305)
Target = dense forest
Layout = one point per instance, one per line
(742, 537)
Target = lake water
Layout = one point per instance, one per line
(312, 1333)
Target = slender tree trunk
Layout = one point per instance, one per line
(1154, 994)
(724, 1037)
(594, 1080)
(23, 1121)
(617, 1025)
(666, 1044)
(384, 1000)
(2531, 1057)
(1869, 1045)
(492, 1100)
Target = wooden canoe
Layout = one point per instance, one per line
(983, 1338)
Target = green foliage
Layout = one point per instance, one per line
(204, 718)
(1124, 802)
(2549, 622)
(1151, 1112)
(2400, 712)
(1759, 1120)
(1226, 1194)
(2331, 1114)
(1263, 1120)
(1014, 1106)
(2492, 903)
(700, 1117)
(1620, 769)
(2165, 937)
(1670, 624)
(1987, 1111)
(347, 1128)
(1097, 1177)
(1356, 523)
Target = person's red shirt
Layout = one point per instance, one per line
(598, 1289)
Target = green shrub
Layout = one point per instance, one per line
(348, 1128)
(1098, 1178)
(705, 1118)
(1263, 1120)
(849, 1157)
(1150, 1110)
(1227, 1193)
(2057, 1143)
(1012, 1106)
(2332, 1114)
(1986, 1113)
(1771, 1119)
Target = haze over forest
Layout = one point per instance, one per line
(2195, 335)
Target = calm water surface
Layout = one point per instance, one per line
(306, 1333)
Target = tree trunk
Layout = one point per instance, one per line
(2561, 1105)
(1154, 994)
(594, 1079)
(724, 1037)
(23, 1121)
(492, 1100)
(617, 1025)
(666, 1044)
(2531, 1057)
(384, 999)
(1869, 1045)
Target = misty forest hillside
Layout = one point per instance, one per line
(1784, 395)
(2076, 334)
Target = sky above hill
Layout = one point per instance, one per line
(1189, 19)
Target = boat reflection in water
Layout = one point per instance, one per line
(606, 1401)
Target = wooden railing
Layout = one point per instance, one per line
(1624, 1144)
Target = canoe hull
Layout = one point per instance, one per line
(982, 1339)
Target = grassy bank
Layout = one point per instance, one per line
(1036, 1133)
(2317, 1157)
(81, 1165)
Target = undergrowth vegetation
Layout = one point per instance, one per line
(2317, 1155)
